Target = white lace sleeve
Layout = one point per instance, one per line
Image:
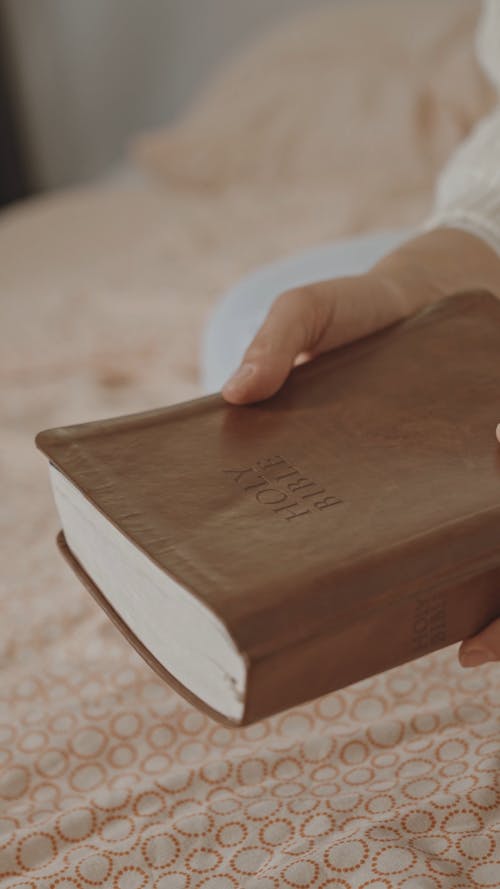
(468, 189)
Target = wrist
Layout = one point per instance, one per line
(436, 264)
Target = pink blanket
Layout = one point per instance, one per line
(108, 778)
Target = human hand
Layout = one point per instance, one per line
(309, 320)
(483, 647)
(314, 318)
(304, 322)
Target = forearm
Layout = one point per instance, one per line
(439, 263)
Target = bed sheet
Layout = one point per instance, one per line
(108, 778)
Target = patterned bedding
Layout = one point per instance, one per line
(108, 778)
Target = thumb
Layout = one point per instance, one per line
(483, 647)
(294, 325)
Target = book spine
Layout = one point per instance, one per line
(370, 644)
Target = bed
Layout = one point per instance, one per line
(332, 125)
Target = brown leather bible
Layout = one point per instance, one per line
(260, 556)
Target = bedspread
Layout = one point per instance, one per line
(108, 778)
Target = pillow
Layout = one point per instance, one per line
(383, 89)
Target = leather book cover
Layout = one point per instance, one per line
(346, 525)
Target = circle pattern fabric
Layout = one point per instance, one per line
(110, 779)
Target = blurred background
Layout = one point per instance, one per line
(77, 79)
(155, 152)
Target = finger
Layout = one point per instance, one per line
(303, 358)
(294, 324)
(483, 647)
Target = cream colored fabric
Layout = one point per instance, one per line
(468, 190)
(377, 91)
(108, 778)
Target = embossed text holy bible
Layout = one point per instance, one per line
(260, 556)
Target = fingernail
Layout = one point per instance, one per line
(474, 657)
(240, 376)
